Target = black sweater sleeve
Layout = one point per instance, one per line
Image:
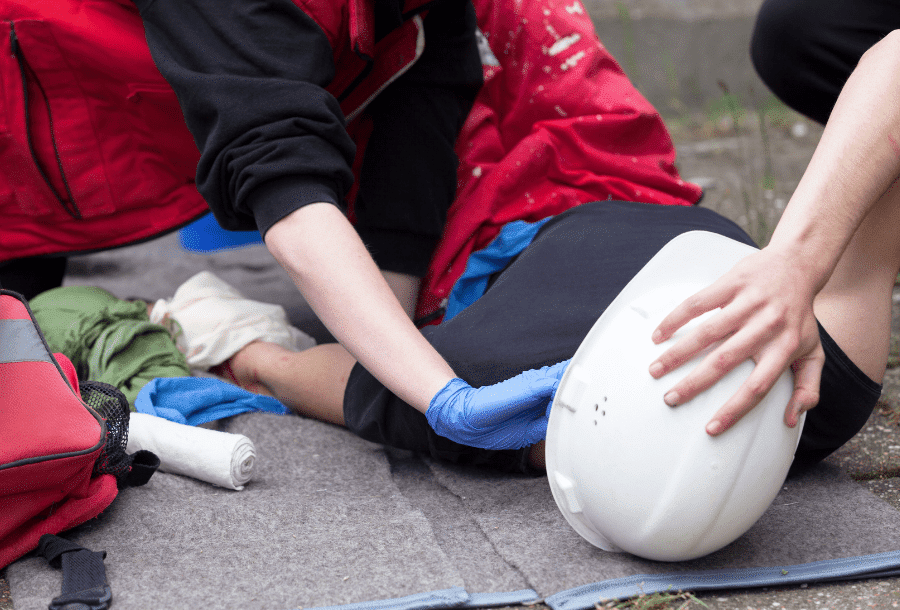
(250, 78)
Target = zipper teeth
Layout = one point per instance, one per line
(69, 206)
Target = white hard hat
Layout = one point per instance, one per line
(630, 473)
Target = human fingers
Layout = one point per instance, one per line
(807, 378)
(557, 370)
(493, 405)
(769, 367)
(745, 344)
(711, 297)
(717, 328)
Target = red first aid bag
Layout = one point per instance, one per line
(62, 454)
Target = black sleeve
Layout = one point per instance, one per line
(250, 78)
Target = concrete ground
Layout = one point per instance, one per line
(689, 57)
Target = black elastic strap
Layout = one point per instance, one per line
(143, 464)
(84, 585)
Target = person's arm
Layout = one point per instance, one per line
(330, 265)
(250, 77)
(766, 301)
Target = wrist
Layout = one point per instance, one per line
(811, 253)
(440, 414)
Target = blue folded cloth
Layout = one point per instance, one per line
(514, 237)
(197, 400)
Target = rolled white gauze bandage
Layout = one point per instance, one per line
(220, 458)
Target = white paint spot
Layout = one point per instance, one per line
(560, 111)
(477, 172)
(599, 117)
(484, 50)
(634, 159)
(573, 61)
(546, 12)
(575, 9)
(563, 43)
(552, 31)
(547, 69)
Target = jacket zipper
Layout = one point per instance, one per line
(69, 204)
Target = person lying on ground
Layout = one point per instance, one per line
(838, 236)
(536, 312)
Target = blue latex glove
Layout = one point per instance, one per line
(508, 415)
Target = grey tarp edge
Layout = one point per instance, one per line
(455, 597)
(878, 565)
(849, 568)
(433, 600)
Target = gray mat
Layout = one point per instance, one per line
(331, 519)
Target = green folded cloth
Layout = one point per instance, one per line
(106, 338)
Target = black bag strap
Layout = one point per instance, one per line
(84, 585)
(143, 464)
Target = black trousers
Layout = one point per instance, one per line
(805, 50)
(537, 311)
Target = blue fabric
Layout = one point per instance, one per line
(197, 400)
(471, 285)
(879, 565)
(205, 235)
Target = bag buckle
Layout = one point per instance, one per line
(97, 598)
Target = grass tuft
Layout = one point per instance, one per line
(663, 600)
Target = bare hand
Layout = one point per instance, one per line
(767, 315)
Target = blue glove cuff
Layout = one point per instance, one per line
(439, 408)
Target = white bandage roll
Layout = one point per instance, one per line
(220, 458)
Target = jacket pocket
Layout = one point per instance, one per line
(51, 140)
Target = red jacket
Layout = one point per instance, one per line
(101, 157)
(556, 124)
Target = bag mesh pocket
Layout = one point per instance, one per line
(112, 406)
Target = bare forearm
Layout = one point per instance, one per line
(857, 159)
(333, 270)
